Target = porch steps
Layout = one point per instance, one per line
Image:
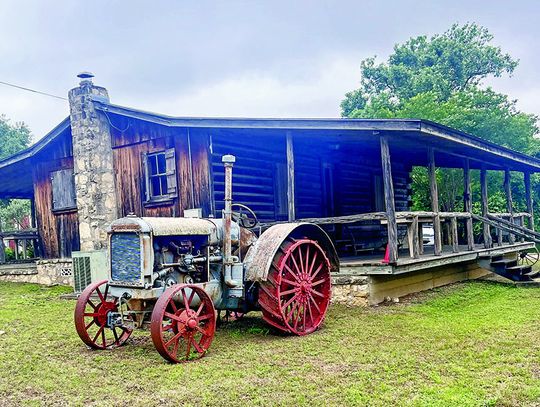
(508, 268)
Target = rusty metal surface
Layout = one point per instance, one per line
(164, 226)
(259, 257)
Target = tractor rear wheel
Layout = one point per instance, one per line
(183, 323)
(93, 318)
(296, 294)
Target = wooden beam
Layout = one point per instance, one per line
(290, 177)
(412, 235)
(498, 218)
(467, 204)
(32, 213)
(509, 202)
(528, 198)
(454, 235)
(389, 200)
(496, 223)
(484, 194)
(434, 202)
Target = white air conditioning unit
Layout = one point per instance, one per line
(89, 267)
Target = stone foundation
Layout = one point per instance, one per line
(45, 272)
(352, 291)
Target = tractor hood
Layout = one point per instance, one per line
(175, 227)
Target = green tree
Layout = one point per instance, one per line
(13, 138)
(440, 79)
(443, 64)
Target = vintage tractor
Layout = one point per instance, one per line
(181, 271)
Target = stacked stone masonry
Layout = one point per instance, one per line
(93, 166)
(44, 272)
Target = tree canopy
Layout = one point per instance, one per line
(13, 138)
(441, 79)
(443, 64)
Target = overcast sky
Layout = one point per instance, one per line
(232, 58)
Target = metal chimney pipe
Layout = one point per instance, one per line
(228, 161)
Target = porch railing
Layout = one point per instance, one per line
(506, 226)
(24, 245)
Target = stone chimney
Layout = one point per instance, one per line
(93, 164)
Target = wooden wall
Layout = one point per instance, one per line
(335, 176)
(193, 179)
(259, 176)
(59, 232)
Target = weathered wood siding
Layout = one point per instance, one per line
(193, 177)
(58, 231)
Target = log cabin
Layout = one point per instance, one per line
(351, 176)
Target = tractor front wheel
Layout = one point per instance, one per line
(93, 321)
(183, 323)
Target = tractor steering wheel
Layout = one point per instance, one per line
(246, 220)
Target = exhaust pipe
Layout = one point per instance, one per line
(228, 161)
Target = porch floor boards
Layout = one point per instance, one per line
(372, 263)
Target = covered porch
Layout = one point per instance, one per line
(396, 242)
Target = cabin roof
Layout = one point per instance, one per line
(435, 132)
(416, 131)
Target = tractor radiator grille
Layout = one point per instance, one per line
(126, 257)
(82, 275)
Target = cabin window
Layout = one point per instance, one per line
(160, 176)
(63, 190)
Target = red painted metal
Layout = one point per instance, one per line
(91, 312)
(386, 259)
(296, 295)
(183, 323)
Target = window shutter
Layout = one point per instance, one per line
(170, 163)
(146, 183)
(63, 190)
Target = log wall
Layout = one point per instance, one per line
(58, 231)
(193, 178)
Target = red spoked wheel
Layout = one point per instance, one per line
(183, 323)
(93, 318)
(296, 295)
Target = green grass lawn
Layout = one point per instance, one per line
(475, 343)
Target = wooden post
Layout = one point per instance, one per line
(484, 193)
(434, 202)
(389, 200)
(528, 198)
(32, 213)
(290, 177)
(509, 203)
(467, 203)
(412, 235)
(420, 239)
(16, 249)
(454, 234)
(499, 237)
